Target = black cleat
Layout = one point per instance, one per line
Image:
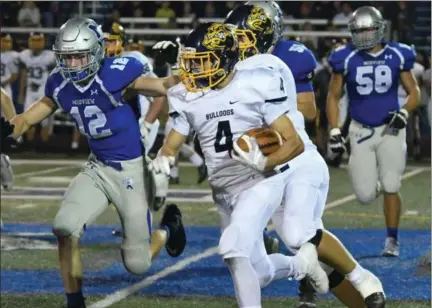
(307, 294)
(375, 300)
(202, 173)
(172, 218)
(271, 244)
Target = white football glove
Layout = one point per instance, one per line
(160, 186)
(254, 158)
(162, 164)
(144, 129)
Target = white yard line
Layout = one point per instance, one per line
(39, 172)
(179, 266)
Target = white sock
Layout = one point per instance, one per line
(283, 266)
(196, 160)
(74, 145)
(174, 172)
(246, 283)
(186, 150)
(356, 275)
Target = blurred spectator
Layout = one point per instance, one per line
(165, 11)
(403, 23)
(345, 14)
(29, 15)
(310, 41)
(9, 12)
(187, 10)
(209, 10)
(305, 10)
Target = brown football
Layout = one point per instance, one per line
(269, 140)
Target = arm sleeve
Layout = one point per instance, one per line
(179, 120)
(409, 57)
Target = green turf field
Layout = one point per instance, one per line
(343, 213)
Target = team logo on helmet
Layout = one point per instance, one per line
(259, 20)
(216, 37)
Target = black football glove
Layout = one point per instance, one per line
(6, 129)
(167, 51)
(336, 141)
(397, 119)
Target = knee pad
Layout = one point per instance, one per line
(391, 183)
(136, 259)
(232, 244)
(335, 279)
(366, 196)
(294, 235)
(66, 226)
(265, 271)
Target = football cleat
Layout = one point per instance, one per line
(271, 244)
(307, 294)
(391, 247)
(202, 173)
(172, 219)
(371, 289)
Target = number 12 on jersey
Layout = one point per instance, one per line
(223, 130)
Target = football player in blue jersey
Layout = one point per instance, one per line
(371, 69)
(95, 91)
(257, 25)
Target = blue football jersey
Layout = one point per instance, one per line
(300, 60)
(98, 109)
(372, 81)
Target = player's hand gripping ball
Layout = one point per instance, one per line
(269, 140)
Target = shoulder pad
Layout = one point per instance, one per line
(338, 56)
(54, 80)
(260, 61)
(148, 68)
(118, 72)
(298, 57)
(406, 53)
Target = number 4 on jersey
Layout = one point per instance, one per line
(223, 130)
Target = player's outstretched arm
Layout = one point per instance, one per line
(306, 105)
(155, 109)
(411, 87)
(150, 86)
(7, 106)
(333, 97)
(37, 112)
(172, 145)
(292, 147)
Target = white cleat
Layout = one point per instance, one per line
(371, 289)
(391, 248)
(308, 265)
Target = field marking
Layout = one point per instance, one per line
(123, 293)
(352, 197)
(26, 206)
(45, 171)
(377, 216)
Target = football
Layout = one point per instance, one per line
(269, 140)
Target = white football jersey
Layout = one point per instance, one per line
(9, 64)
(148, 71)
(417, 71)
(38, 66)
(262, 89)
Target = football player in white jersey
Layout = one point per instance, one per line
(255, 22)
(220, 98)
(37, 64)
(9, 63)
(148, 108)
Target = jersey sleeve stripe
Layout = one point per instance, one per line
(401, 57)
(347, 60)
(276, 100)
(112, 99)
(56, 92)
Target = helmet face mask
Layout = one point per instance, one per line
(255, 29)
(79, 49)
(366, 27)
(209, 56)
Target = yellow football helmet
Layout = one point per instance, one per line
(208, 56)
(114, 35)
(135, 44)
(6, 42)
(36, 42)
